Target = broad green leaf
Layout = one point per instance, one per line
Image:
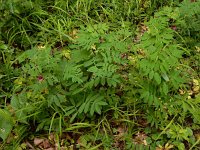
(88, 63)
(102, 103)
(80, 110)
(157, 78)
(68, 108)
(151, 74)
(18, 105)
(150, 99)
(97, 108)
(69, 112)
(165, 77)
(165, 88)
(73, 117)
(6, 124)
(76, 91)
(93, 69)
(103, 81)
(86, 109)
(97, 81)
(156, 101)
(92, 109)
(145, 94)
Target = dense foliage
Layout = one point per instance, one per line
(99, 74)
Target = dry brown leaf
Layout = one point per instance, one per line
(50, 148)
(121, 130)
(197, 135)
(119, 143)
(166, 147)
(195, 86)
(182, 92)
(46, 144)
(41, 47)
(30, 146)
(73, 34)
(190, 93)
(140, 138)
(38, 141)
(52, 137)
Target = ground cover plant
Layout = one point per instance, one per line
(95, 75)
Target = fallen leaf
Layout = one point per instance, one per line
(30, 146)
(140, 138)
(50, 148)
(38, 141)
(52, 137)
(166, 147)
(182, 92)
(46, 144)
(195, 86)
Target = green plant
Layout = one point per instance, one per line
(187, 26)
(188, 22)
(178, 134)
(6, 124)
(55, 80)
(26, 23)
(72, 70)
(158, 57)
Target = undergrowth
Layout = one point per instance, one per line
(100, 74)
